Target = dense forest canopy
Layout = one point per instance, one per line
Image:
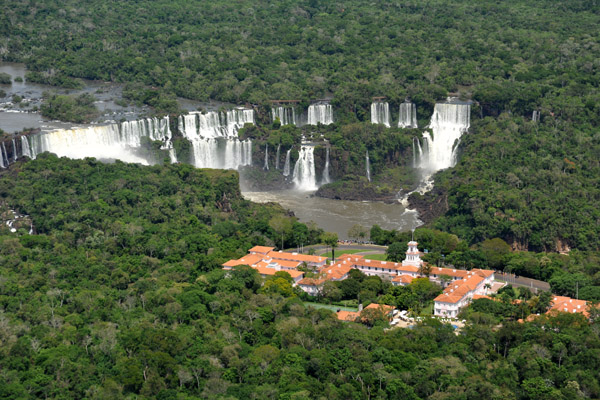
(120, 295)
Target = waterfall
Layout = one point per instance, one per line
(535, 116)
(2, 164)
(25, 149)
(380, 113)
(368, 166)
(448, 123)
(14, 149)
(114, 141)
(417, 152)
(277, 156)
(304, 170)
(286, 166)
(266, 166)
(408, 115)
(214, 137)
(325, 179)
(214, 124)
(286, 115)
(221, 154)
(6, 160)
(320, 114)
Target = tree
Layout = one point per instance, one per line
(495, 251)
(331, 240)
(396, 252)
(281, 225)
(357, 232)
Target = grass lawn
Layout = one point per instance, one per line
(331, 307)
(339, 252)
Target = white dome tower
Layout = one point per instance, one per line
(413, 256)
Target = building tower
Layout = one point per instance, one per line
(413, 256)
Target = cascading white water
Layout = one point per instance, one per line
(286, 166)
(6, 160)
(368, 166)
(304, 171)
(407, 117)
(380, 113)
(266, 166)
(14, 150)
(417, 152)
(112, 141)
(220, 153)
(25, 149)
(448, 123)
(320, 114)
(214, 138)
(277, 156)
(325, 179)
(286, 115)
(2, 162)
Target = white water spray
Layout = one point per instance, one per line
(286, 166)
(407, 117)
(304, 170)
(320, 114)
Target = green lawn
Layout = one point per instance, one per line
(380, 257)
(339, 252)
(329, 306)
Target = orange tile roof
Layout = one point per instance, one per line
(249, 259)
(261, 249)
(567, 304)
(288, 264)
(271, 271)
(403, 278)
(281, 255)
(481, 296)
(312, 281)
(348, 316)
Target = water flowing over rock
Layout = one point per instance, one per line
(286, 166)
(277, 156)
(221, 153)
(368, 166)
(214, 138)
(214, 124)
(417, 152)
(114, 141)
(14, 146)
(326, 179)
(286, 115)
(535, 117)
(320, 114)
(380, 113)
(25, 148)
(448, 123)
(3, 158)
(407, 117)
(266, 166)
(304, 171)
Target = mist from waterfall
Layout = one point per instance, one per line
(304, 176)
(380, 113)
(114, 141)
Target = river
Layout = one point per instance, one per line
(339, 215)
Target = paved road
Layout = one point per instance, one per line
(533, 284)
